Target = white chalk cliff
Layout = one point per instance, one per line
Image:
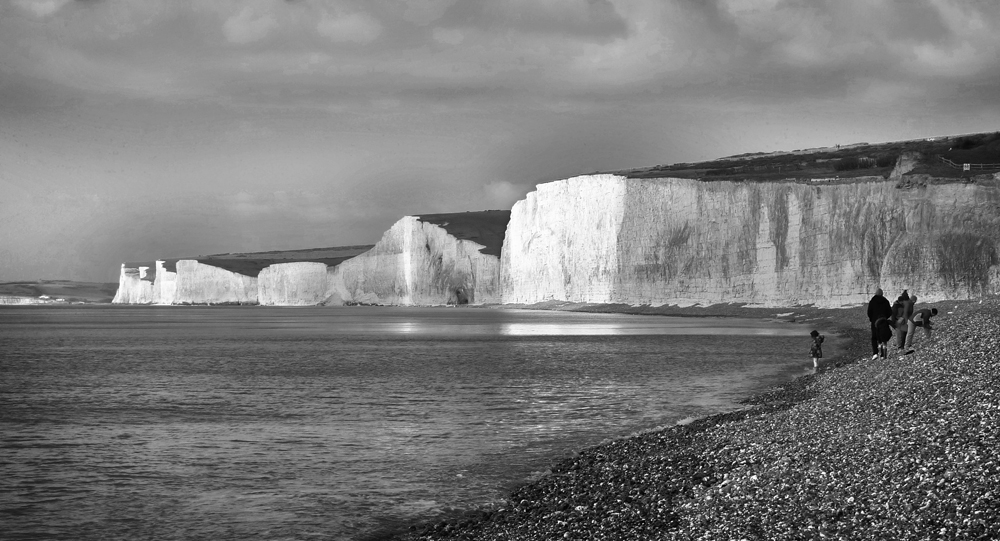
(191, 283)
(655, 241)
(200, 283)
(135, 285)
(417, 263)
(302, 283)
(165, 284)
(611, 239)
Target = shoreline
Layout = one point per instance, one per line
(753, 473)
(839, 323)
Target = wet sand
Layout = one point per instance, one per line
(902, 448)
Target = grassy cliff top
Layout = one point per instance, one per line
(486, 227)
(843, 163)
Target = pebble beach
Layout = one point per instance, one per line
(901, 448)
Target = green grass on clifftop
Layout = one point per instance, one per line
(486, 227)
(842, 163)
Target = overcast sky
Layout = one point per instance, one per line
(137, 129)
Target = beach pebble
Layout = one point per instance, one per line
(899, 449)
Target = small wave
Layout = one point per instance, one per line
(43, 445)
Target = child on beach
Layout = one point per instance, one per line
(817, 347)
(883, 333)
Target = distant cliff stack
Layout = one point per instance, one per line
(821, 228)
(427, 260)
(421, 260)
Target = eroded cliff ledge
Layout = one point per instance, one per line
(613, 239)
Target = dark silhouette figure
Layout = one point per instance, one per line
(899, 320)
(878, 308)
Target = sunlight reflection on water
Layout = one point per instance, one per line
(258, 423)
(631, 329)
(415, 322)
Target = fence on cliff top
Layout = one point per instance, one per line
(970, 166)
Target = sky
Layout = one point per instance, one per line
(132, 130)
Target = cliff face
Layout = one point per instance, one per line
(134, 285)
(417, 263)
(191, 283)
(292, 284)
(165, 285)
(613, 239)
(199, 283)
(437, 260)
(610, 239)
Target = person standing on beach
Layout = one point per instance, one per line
(921, 318)
(897, 306)
(817, 347)
(878, 308)
(901, 317)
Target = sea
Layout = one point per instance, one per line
(246, 423)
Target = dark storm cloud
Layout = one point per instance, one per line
(558, 47)
(458, 104)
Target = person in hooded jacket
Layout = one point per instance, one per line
(878, 308)
(897, 320)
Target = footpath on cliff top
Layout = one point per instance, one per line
(902, 448)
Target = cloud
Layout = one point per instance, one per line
(968, 43)
(41, 8)
(585, 18)
(827, 33)
(502, 194)
(358, 28)
(547, 52)
(424, 12)
(448, 36)
(248, 26)
(366, 110)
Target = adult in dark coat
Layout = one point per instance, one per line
(878, 308)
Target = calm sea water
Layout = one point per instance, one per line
(333, 423)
